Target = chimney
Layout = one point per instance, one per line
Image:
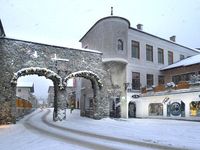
(140, 27)
(2, 33)
(173, 38)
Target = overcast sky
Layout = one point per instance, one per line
(66, 21)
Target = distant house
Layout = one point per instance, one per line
(24, 90)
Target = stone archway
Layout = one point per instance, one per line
(18, 54)
(96, 86)
(55, 78)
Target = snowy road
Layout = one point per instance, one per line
(38, 131)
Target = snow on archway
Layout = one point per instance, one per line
(40, 72)
(87, 75)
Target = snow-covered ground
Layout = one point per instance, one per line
(26, 133)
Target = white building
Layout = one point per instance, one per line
(132, 57)
(24, 90)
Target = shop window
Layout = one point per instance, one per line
(156, 109)
(195, 108)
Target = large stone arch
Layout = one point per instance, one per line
(37, 58)
(49, 74)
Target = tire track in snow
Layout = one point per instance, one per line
(109, 138)
(66, 139)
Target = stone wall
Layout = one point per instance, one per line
(16, 55)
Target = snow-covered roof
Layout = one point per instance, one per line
(185, 62)
(26, 85)
(115, 59)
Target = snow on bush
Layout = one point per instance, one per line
(195, 78)
(170, 84)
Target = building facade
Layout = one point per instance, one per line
(50, 98)
(132, 58)
(26, 101)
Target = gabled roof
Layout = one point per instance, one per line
(185, 62)
(26, 85)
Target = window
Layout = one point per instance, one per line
(160, 56)
(149, 53)
(170, 58)
(182, 57)
(135, 47)
(161, 80)
(149, 80)
(19, 90)
(136, 81)
(120, 45)
(195, 108)
(155, 109)
(182, 77)
(176, 79)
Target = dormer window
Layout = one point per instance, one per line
(120, 45)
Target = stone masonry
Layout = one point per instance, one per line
(16, 55)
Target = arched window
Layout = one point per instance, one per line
(120, 45)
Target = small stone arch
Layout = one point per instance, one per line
(88, 75)
(96, 86)
(49, 74)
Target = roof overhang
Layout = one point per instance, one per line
(120, 60)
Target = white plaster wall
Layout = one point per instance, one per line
(147, 67)
(142, 103)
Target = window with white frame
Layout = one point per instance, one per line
(149, 80)
(135, 49)
(160, 56)
(149, 53)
